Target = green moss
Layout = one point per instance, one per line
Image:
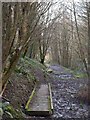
(28, 109)
(30, 98)
(49, 104)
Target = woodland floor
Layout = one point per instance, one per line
(64, 89)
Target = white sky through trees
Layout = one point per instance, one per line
(44, 0)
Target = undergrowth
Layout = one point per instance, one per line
(77, 73)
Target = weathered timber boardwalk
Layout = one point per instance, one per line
(39, 103)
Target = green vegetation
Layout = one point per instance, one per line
(33, 63)
(26, 62)
(30, 76)
(77, 73)
(80, 75)
(27, 66)
(10, 112)
(30, 98)
(24, 67)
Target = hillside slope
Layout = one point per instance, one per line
(27, 73)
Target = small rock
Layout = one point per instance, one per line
(49, 70)
(68, 108)
(72, 96)
(63, 105)
(60, 115)
(6, 103)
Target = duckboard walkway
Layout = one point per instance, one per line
(40, 102)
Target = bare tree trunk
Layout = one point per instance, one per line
(88, 17)
(80, 44)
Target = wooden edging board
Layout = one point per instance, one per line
(30, 98)
(51, 101)
(3, 89)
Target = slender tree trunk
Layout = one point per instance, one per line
(80, 44)
(88, 16)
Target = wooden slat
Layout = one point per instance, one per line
(38, 113)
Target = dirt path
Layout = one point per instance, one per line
(64, 89)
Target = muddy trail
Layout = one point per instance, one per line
(64, 88)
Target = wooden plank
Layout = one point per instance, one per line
(38, 113)
(51, 101)
(3, 89)
(40, 104)
(30, 98)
